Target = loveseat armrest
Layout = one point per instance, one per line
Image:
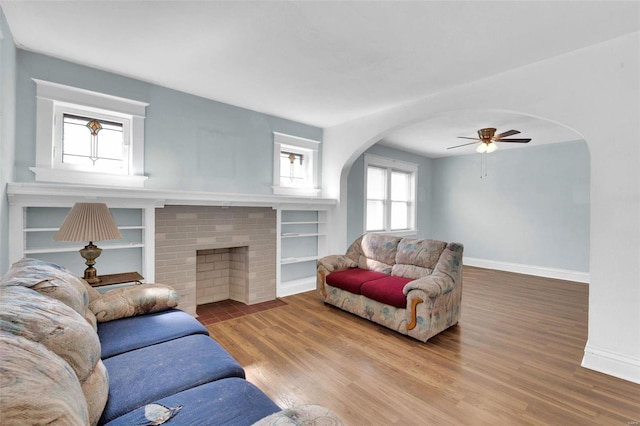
(433, 285)
(336, 262)
(329, 264)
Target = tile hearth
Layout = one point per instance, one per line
(211, 313)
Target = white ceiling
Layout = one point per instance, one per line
(322, 62)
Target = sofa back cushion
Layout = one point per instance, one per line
(53, 324)
(37, 386)
(51, 280)
(417, 258)
(375, 252)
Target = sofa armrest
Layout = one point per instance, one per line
(134, 300)
(302, 415)
(433, 285)
(336, 262)
(329, 264)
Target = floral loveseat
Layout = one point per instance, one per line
(72, 356)
(409, 285)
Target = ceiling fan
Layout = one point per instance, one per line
(488, 137)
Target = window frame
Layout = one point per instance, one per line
(390, 165)
(52, 101)
(309, 149)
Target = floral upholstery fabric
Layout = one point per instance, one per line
(435, 287)
(51, 280)
(53, 324)
(303, 415)
(375, 252)
(96, 391)
(38, 387)
(417, 258)
(134, 300)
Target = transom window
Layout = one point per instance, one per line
(88, 137)
(292, 167)
(390, 195)
(92, 143)
(295, 165)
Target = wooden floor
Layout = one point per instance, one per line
(514, 359)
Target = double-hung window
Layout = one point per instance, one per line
(390, 195)
(88, 137)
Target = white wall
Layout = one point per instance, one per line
(528, 212)
(595, 91)
(7, 130)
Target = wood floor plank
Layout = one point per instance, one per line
(514, 359)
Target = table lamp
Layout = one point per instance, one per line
(89, 222)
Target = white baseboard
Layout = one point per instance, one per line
(611, 363)
(539, 271)
(288, 288)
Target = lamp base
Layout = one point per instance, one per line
(90, 253)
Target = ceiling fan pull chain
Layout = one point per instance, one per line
(485, 164)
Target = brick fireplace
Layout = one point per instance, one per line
(210, 253)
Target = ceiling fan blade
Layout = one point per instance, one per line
(465, 144)
(473, 139)
(513, 140)
(505, 134)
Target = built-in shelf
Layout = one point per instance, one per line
(289, 260)
(301, 242)
(72, 249)
(296, 235)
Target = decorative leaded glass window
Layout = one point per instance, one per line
(91, 142)
(88, 137)
(295, 165)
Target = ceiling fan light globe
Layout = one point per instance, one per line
(482, 148)
(491, 147)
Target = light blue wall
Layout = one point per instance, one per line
(7, 131)
(191, 143)
(532, 208)
(355, 191)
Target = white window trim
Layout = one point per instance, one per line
(301, 145)
(51, 97)
(392, 164)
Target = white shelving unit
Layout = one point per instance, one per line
(38, 223)
(302, 241)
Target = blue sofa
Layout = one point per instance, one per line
(73, 356)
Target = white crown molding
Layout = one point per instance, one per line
(538, 271)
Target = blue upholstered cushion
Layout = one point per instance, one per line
(224, 402)
(148, 374)
(352, 279)
(127, 334)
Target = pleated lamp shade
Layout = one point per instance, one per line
(88, 222)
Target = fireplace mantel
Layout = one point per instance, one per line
(41, 194)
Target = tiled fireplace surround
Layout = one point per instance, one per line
(193, 242)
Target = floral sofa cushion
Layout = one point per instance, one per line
(50, 322)
(417, 258)
(51, 280)
(375, 252)
(38, 387)
(134, 300)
